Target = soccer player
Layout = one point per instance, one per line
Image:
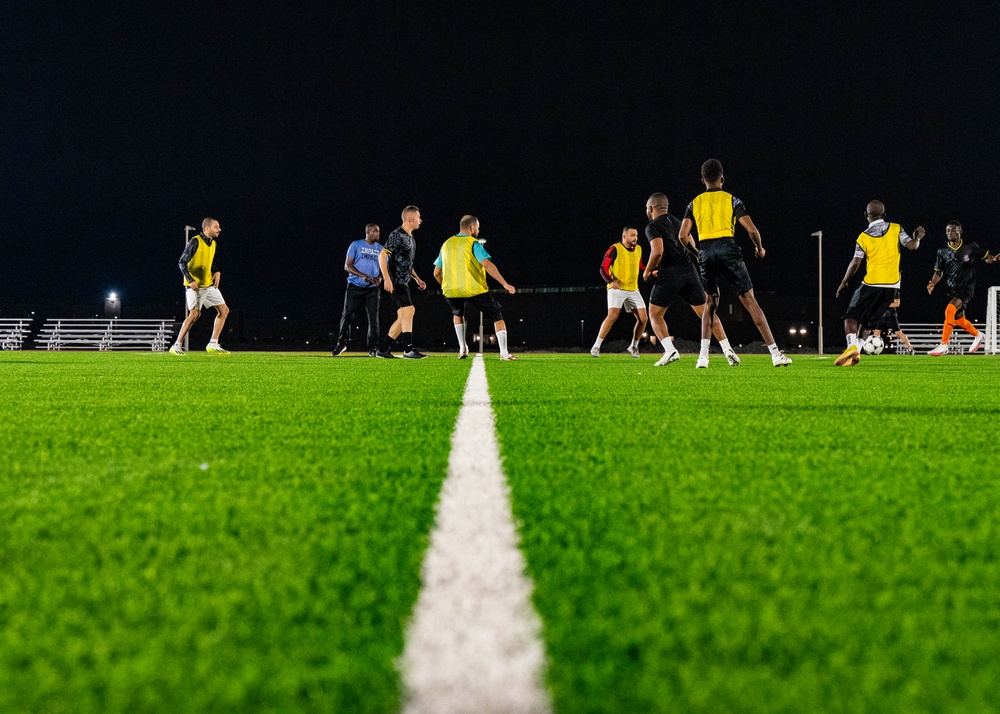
(202, 283)
(889, 322)
(620, 270)
(879, 245)
(676, 274)
(715, 213)
(461, 268)
(396, 265)
(363, 278)
(957, 262)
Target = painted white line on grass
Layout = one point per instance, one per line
(474, 643)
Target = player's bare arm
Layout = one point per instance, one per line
(758, 245)
(216, 279)
(421, 285)
(349, 267)
(655, 253)
(494, 273)
(438, 275)
(933, 281)
(383, 266)
(852, 268)
(918, 234)
(687, 240)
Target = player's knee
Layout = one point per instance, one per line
(194, 315)
(613, 313)
(223, 310)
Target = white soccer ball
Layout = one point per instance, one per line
(873, 346)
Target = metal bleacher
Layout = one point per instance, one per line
(14, 331)
(925, 336)
(106, 334)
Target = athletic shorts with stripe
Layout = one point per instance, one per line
(484, 302)
(869, 303)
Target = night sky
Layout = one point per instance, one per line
(296, 124)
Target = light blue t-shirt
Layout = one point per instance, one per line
(477, 250)
(365, 261)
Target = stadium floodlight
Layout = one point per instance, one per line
(819, 330)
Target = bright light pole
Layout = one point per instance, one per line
(187, 237)
(819, 234)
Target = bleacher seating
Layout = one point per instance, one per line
(106, 334)
(14, 331)
(925, 336)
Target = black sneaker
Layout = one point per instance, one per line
(371, 353)
(413, 354)
(339, 350)
(385, 355)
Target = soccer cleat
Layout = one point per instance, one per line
(667, 359)
(976, 342)
(464, 354)
(216, 350)
(848, 358)
(941, 349)
(780, 360)
(702, 362)
(371, 353)
(176, 350)
(733, 359)
(413, 354)
(508, 357)
(339, 350)
(595, 352)
(633, 352)
(384, 354)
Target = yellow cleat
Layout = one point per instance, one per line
(216, 350)
(849, 357)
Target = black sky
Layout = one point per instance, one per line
(295, 124)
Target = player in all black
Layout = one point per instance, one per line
(676, 273)
(396, 265)
(957, 263)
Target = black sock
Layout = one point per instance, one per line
(385, 344)
(406, 340)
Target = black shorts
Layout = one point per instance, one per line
(889, 322)
(963, 294)
(484, 302)
(721, 258)
(401, 295)
(869, 303)
(682, 281)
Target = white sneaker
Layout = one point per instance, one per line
(176, 350)
(702, 362)
(941, 349)
(733, 359)
(633, 352)
(463, 354)
(976, 342)
(508, 358)
(780, 360)
(667, 359)
(595, 352)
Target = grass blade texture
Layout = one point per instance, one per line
(751, 539)
(214, 534)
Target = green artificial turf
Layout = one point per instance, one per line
(214, 534)
(751, 539)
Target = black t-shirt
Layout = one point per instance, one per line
(667, 228)
(401, 250)
(959, 266)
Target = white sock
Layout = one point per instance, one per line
(705, 344)
(726, 347)
(213, 342)
(668, 345)
(852, 340)
(774, 349)
(502, 341)
(598, 342)
(460, 332)
(635, 345)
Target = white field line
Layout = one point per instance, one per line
(473, 644)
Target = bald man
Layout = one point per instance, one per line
(879, 245)
(675, 268)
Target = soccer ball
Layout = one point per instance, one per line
(873, 346)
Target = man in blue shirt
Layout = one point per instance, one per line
(363, 280)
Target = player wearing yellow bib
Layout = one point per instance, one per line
(202, 283)
(620, 270)
(879, 245)
(461, 268)
(715, 214)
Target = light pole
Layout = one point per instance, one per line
(187, 237)
(819, 234)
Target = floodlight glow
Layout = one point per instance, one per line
(791, 331)
(802, 331)
(113, 296)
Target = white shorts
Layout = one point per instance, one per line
(631, 300)
(205, 297)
